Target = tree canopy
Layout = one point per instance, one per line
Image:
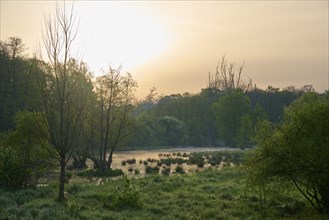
(297, 150)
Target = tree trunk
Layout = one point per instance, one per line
(109, 162)
(62, 179)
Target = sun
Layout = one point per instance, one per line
(119, 33)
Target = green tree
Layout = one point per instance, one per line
(297, 150)
(171, 130)
(115, 96)
(25, 152)
(228, 112)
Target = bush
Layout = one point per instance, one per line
(152, 170)
(132, 161)
(166, 171)
(179, 169)
(200, 164)
(123, 163)
(126, 196)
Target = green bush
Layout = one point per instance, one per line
(166, 171)
(152, 170)
(126, 196)
(179, 169)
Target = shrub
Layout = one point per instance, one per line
(137, 171)
(132, 161)
(200, 164)
(130, 169)
(123, 163)
(126, 196)
(152, 170)
(179, 169)
(166, 171)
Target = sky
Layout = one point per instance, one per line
(173, 45)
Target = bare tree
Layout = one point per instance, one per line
(63, 103)
(226, 77)
(115, 98)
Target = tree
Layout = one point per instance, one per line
(228, 112)
(23, 152)
(297, 150)
(62, 101)
(226, 78)
(171, 130)
(115, 96)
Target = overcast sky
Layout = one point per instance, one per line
(174, 45)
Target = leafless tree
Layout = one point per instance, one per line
(226, 77)
(63, 104)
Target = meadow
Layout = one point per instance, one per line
(206, 193)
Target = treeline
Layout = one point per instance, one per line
(55, 111)
(209, 118)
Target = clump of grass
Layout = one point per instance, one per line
(127, 196)
(179, 169)
(166, 171)
(132, 161)
(152, 170)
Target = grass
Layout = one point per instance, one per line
(210, 194)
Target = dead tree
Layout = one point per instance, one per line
(226, 77)
(63, 104)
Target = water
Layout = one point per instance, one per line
(143, 155)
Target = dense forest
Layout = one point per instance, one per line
(58, 112)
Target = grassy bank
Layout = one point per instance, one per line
(210, 194)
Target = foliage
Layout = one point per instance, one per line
(24, 152)
(228, 113)
(126, 196)
(152, 170)
(173, 130)
(296, 150)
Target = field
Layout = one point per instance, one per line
(208, 193)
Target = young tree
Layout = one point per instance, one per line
(27, 150)
(63, 102)
(297, 150)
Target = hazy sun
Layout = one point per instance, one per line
(120, 33)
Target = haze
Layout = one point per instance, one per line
(174, 45)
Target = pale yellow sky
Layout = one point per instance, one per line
(172, 45)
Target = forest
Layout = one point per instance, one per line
(56, 115)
